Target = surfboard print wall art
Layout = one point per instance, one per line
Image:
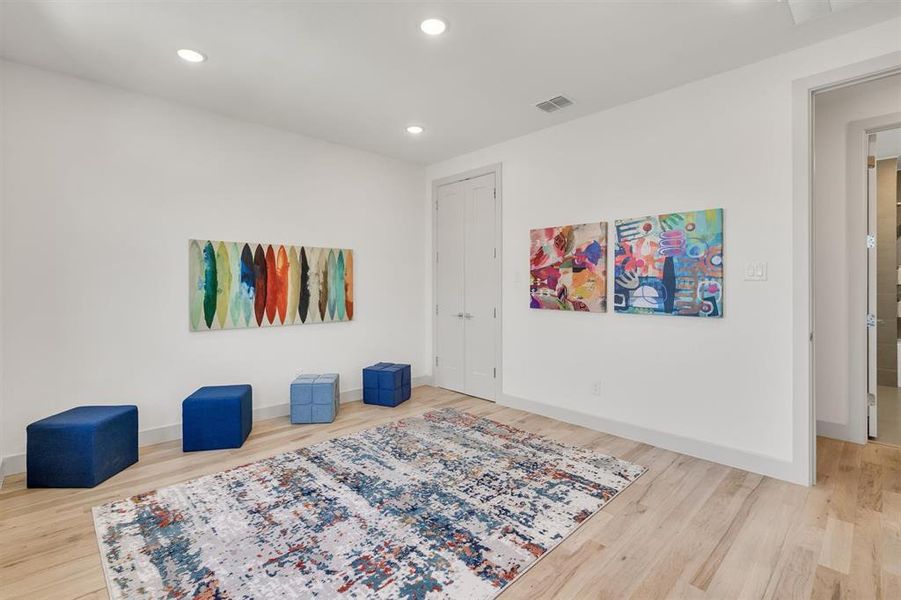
(238, 285)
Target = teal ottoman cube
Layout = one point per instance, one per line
(386, 384)
(315, 398)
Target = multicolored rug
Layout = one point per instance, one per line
(443, 505)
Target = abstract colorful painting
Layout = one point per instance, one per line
(442, 505)
(568, 267)
(235, 285)
(670, 264)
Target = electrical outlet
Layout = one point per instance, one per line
(596, 390)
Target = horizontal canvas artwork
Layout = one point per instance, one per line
(670, 264)
(568, 267)
(235, 285)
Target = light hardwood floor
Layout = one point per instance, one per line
(687, 529)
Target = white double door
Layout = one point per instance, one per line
(467, 279)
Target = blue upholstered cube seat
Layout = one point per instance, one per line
(217, 417)
(81, 447)
(386, 384)
(314, 398)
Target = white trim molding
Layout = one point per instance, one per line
(15, 463)
(12, 464)
(732, 457)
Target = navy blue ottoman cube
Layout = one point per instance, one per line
(81, 447)
(386, 384)
(407, 382)
(216, 417)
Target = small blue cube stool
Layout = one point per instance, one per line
(216, 417)
(386, 384)
(81, 447)
(314, 398)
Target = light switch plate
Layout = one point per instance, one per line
(755, 271)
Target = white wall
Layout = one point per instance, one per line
(839, 230)
(103, 189)
(721, 389)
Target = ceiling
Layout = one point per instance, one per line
(359, 73)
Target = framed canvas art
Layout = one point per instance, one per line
(236, 284)
(568, 267)
(670, 264)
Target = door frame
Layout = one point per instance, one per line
(804, 437)
(495, 168)
(859, 278)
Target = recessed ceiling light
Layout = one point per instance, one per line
(191, 56)
(433, 26)
(415, 129)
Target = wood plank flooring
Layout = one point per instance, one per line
(688, 529)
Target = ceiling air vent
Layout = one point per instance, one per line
(554, 104)
(808, 10)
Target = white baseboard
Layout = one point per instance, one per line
(12, 464)
(15, 463)
(748, 461)
(836, 431)
(168, 433)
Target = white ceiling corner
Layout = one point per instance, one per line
(357, 73)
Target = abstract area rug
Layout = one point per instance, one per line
(445, 505)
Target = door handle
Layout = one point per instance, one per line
(469, 315)
(459, 315)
